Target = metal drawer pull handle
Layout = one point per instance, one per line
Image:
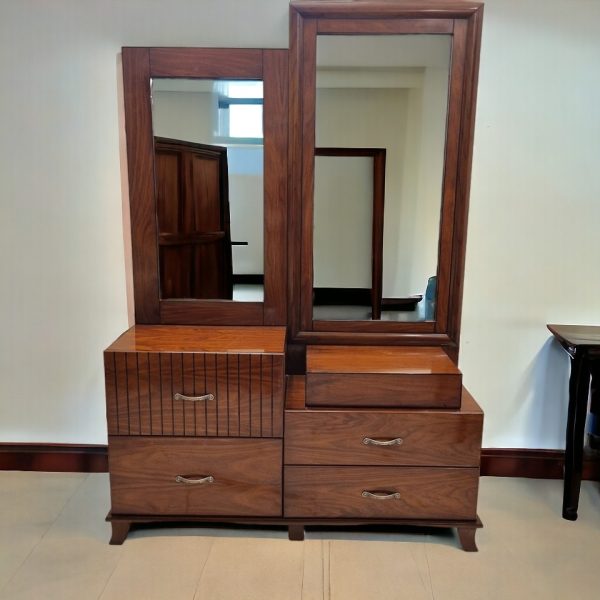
(371, 442)
(180, 479)
(381, 495)
(193, 398)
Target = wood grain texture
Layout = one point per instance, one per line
(275, 184)
(390, 26)
(211, 312)
(206, 63)
(145, 370)
(382, 9)
(237, 340)
(335, 437)
(431, 493)
(140, 166)
(247, 476)
(383, 389)
(474, 27)
(379, 359)
(378, 376)
(140, 64)
(463, 22)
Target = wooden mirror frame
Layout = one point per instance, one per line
(461, 20)
(140, 65)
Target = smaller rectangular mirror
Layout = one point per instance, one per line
(208, 157)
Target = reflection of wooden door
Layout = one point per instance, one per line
(193, 220)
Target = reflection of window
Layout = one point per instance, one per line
(241, 111)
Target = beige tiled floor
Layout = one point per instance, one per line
(54, 545)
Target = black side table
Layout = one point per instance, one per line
(582, 343)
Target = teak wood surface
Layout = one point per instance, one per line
(379, 359)
(170, 338)
(381, 376)
(140, 65)
(330, 436)
(247, 476)
(426, 493)
(241, 368)
(462, 20)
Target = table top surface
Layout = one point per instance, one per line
(576, 335)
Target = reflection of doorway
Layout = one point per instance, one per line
(193, 220)
(345, 296)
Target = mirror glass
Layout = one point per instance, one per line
(376, 228)
(208, 154)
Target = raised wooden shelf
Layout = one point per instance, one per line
(379, 376)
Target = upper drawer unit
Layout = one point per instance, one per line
(196, 381)
(381, 376)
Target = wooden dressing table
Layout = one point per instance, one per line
(221, 409)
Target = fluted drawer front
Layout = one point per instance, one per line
(179, 476)
(226, 394)
(401, 437)
(381, 492)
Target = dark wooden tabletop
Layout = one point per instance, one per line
(576, 335)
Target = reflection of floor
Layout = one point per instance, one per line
(248, 292)
(363, 313)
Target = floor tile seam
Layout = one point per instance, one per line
(429, 572)
(112, 573)
(198, 585)
(328, 572)
(44, 534)
(425, 582)
(303, 569)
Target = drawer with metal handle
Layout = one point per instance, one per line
(380, 437)
(179, 476)
(381, 492)
(194, 394)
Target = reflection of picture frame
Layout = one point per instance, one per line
(378, 156)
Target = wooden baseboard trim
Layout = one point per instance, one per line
(63, 458)
(533, 463)
(495, 462)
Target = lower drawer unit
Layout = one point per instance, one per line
(381, 492)
(180, 476)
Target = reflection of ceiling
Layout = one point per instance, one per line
(361, 77)
(383, 51)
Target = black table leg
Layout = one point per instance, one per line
(594, 365)
(579, 383)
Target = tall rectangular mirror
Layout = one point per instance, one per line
(381, 249)
(207, 153)
(389, 93)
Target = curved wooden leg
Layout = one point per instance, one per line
(466, 535)
(120, 529)
(296, 532)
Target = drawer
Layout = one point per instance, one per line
(179, 385)
(246, 476)
(381, 377)
(381, 437)
(381, 492)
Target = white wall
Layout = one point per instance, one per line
(533, 244)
